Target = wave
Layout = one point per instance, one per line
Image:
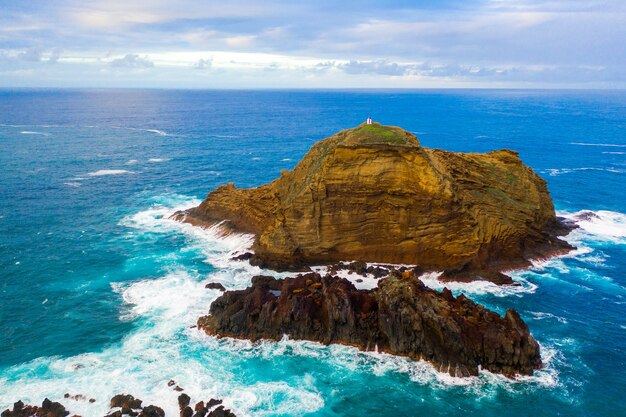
(597, 225)
(156, 131)
(540, 315)
(72, 184)
(560, 171)
(480, 287)
(614, 153)
(611, 145)
(131, 162)
(103, 172)
(163, 345)
(158, 159)
(361, 282)
(29, 132)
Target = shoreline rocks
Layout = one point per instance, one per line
(123, 405)
(401, 316)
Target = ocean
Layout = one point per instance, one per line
(99, 290)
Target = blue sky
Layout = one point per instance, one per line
(313, 44)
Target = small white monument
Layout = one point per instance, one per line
(369, 120)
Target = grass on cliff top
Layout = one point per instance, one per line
(377, 133)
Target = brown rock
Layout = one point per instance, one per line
(401, 316)
(183, 401)
(373, 193)
(125, 401)
(215, 286)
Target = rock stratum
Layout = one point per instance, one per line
(401, 316)
(373, 193)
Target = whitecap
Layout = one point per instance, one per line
(102, 172)
(131, 162)
(480, 287)
(597, 225)
(29, 132)
(361, 282)
(158, 159)
(72, 184)
(156, 131)
(560, 171)
(614, 153)
(540, 315)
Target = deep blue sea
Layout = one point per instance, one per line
(98, 290)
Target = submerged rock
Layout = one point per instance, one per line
(401, 317)
(373, 193)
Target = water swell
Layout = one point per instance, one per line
(164, 346)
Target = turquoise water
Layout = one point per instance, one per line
(98, 290)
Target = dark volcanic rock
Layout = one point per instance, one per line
(243, 257)
(215, 286)
(125, 401)
(152, 411)
(401, 316)
(124, 405)
(48, 409)
(183, 401)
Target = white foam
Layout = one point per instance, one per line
(540, 315)
(367, 281)
(560, 171)
(163, 346)
(156, 131)
(158, 159)
(480, 287)
(598, 225)
(614, 153)
(72, 184)
(102, 172)
(131, 162)
(29, 132)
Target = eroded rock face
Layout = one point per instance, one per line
(401, 317)
(374, 194)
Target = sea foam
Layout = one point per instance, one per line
(163, 344)
(103, 172)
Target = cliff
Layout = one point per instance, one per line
(373, 193)
(401, 317)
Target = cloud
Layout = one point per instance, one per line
(132, 61)
(31, 55)
(203, 63)
(526, 42)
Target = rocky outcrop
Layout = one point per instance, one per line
(48, 409)
(123, 405)
(373, 193)
(401, 317)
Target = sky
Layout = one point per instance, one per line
(313, 44)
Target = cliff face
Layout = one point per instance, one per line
(373, 193)
(401, 317)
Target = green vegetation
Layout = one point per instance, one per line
(377, 133)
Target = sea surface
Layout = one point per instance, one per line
(99, 290)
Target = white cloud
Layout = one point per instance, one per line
(132, 61)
